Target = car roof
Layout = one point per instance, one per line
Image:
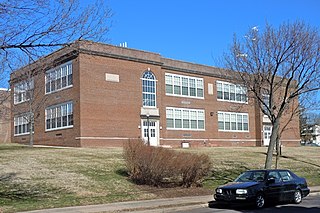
(267, 170)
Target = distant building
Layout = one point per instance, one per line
(94, 94)
(5, 122)
(311, 134)
(316, 134)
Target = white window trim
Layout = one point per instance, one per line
(58, 90)
(14, 126)
(220, 130)
(24, 91)
(55, 68)
(155, 90)
(58, 128)
(189, 109)
(235, 101)
(189, 77)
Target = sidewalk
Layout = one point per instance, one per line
(142, 205)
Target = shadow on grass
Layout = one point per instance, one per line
(11, 190)
(294, 159)
(11, 147)
(301, 161)
(223, 176)
(122, 172)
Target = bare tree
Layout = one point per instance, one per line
(30, 29)
(28, 92)
(278, 65)
(34, 28)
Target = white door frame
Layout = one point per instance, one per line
(150, 131)
(267, 130)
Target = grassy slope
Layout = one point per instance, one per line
(48, 177)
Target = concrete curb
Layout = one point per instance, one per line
(130, 206)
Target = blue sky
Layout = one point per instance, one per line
(199, 31)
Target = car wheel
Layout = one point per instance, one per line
(297, 197)
(260, 201)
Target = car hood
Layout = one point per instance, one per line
(239, 185)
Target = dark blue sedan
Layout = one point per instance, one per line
(260, 186)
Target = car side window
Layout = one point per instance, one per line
(274, 175)
(285, 176)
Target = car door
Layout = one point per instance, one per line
(289, 185)
(274, 189)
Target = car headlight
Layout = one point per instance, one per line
(241, 191)
(219, 191)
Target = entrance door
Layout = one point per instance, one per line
(267, 129)
(150, 131)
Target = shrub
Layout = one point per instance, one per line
(158, 166)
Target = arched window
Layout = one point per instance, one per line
(148, 89)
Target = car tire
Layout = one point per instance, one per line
(297, 197)
(260, 201)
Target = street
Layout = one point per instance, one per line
(310, 204)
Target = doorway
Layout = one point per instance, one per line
(150, 131)
(267, 129)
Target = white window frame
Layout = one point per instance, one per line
(229, 116)
(148, 92)
(179, 81)
(22, 89)
(55, 76)
(20, 120)
(185, 115)
(56, 109)
(238, 89)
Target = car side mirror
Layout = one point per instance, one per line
(271, 180)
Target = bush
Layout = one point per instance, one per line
(158, 166)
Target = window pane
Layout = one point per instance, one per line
(226, 91)
(199, 88)
(239, 121)
(220, 121)
(201, 124)
(232, 93)
(177, 85)
(233, 122)
(245, 123)
(192, 83)
(227, 121)
(170, 123)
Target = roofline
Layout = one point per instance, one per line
(130, 54)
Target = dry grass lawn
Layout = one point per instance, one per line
(35, 178)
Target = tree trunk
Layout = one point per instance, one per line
(278, 152)
(31, 131)
(273, 140)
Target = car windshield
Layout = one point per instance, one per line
(251, 176)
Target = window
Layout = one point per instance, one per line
(59, 116)
(185, 119)
(170, 117)
(179, 85)
(22, 91)
(59, 78)
(229, 121)
(22, 124)
(285, 176)
(274, 175)
(231, 92)
(149, 89)
(266, 103)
